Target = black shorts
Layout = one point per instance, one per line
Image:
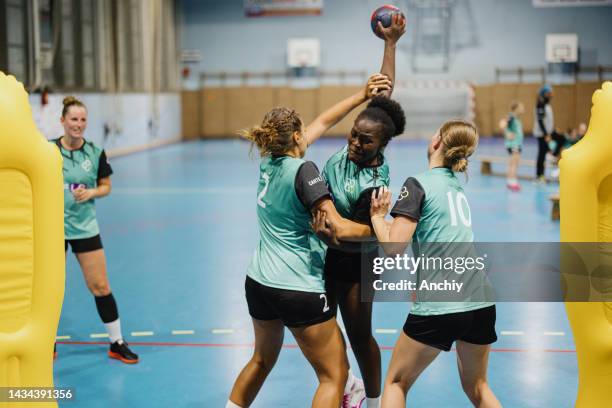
(84, 244)
(346, 266)
(512, 150)
(295, 308)
(441, 331)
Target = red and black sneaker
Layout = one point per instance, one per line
(119, 350)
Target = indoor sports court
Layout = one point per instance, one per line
(173, 101)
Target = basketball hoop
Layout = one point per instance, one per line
(303, 52)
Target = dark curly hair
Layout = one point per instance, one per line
(388, 113)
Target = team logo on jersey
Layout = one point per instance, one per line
(86, 165)
(403, 194)
(349, 185)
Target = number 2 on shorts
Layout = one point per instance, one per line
(325, 307)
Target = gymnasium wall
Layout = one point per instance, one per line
(484, 34)
(130, 119)
(222, 111)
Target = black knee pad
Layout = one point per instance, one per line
(107, 308)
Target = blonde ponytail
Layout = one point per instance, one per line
(460, 139)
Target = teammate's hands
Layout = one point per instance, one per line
(395, 30)
(380, 202)
(377, 83)
(323, 228)
(318, 222)
(82, 195)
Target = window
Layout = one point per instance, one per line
(15, 49)
(128, 43)
(75, 57)
(90, 45)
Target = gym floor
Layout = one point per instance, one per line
(179, 229)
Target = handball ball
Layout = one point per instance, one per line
(383, 14)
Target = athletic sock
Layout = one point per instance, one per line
(230, 404)
(350, 382)
(373, 402)
(114, 331)
(107, 309)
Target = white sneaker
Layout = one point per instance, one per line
(540, 180)
(555, 173)
(355, 397)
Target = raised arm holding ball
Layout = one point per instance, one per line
(351, 174)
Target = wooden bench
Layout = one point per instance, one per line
(486, 167)
(556, 209)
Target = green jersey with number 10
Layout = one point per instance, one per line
(436, 200)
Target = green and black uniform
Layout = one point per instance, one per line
(285, 278)
(351, 187)
(514, 126)
(436, 201)
(82, 167)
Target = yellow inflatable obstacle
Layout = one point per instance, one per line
(586, 216)
(31, 246)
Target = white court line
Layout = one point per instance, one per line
(170, 190)
(142, 333)
(512, 333)
(98, 335)
(62, 337)
(554, 333)
(179, 332)
(222, 331)
(386, 331)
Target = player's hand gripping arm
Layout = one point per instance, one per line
(335, 227)
(396, 235)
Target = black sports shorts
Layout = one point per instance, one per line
(441, 331)
(84, 244)
(293, 307)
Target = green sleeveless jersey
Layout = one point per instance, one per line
(81, 167)
(515, 126)
(436, 200)
(288, 255)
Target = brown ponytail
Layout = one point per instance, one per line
(460, 139)
(70, 101)
(274, 137)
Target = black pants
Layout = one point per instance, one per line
(542, 150)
